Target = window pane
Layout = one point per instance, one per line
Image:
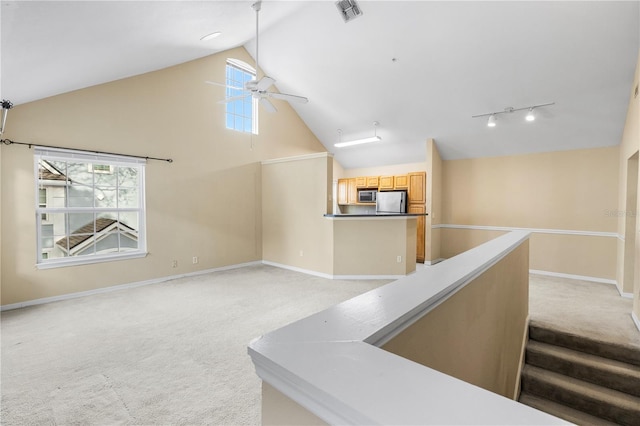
(46, 234)
(80, 223)
(42, 197)
(106, 197)
(80, 196)
(79, 173)
(127, 176)
(128, 198)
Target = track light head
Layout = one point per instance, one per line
(530, 115)
(492, 121)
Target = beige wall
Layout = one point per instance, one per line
(567, 190)
(371, 247)
(394, 169)
(629, 146)
(477, 334)
(279, 410)
(207, 203)
(434, 203)
(295, 196)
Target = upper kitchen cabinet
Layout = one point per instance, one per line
(347, 191)
(390, 183)
(385, 183)
(401, 182)
(343, 191)
(372, 181)
(417, 186)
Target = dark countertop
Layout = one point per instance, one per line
(377, 215)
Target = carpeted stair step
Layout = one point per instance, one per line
(590, 368)
(609, 404)
(615, 351)
(562, 411)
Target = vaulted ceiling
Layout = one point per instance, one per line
(421, 69)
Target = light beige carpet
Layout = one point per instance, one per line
(584, 308)
(175, 353)
(170, 353)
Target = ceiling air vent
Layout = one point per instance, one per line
(349, 9)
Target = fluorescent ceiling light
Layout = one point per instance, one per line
(358, 141)
(210, 36)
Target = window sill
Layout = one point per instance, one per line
(87, 260)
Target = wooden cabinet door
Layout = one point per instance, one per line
(417, 187)
(420, 237)
(361, 182)
(372, 181)
(401, 182)
(343, 191)
(352, 198)
(385, 183)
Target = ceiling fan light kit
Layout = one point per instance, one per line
(374, 138)
(492, 121)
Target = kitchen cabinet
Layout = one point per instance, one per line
(367, 182)
(372, 181)
(417, 187)
(361, 182)
(385, 183)
(352, 197)
(343, 191)
(420, 237)
(401, 182)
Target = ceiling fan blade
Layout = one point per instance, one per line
(289, 98)
(264, 83)
(267, 105)
(215, 83)
(233, 98)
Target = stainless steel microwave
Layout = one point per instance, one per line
(367, 196)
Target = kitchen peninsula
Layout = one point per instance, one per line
(374, 245)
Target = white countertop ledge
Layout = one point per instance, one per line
(331, 363)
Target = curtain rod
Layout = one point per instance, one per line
(10, 142)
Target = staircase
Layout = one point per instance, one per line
(579, 379)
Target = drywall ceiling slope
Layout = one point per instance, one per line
(452, 60)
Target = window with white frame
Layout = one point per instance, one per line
(90, 207)
(241, 113)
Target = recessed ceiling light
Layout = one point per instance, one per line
(211, 36)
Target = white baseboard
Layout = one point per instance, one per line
(332, 277)
(574, 277)
(636, 320)
(76, 295)
(296, 269)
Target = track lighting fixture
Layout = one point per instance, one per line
(374, 138)
(529, 117)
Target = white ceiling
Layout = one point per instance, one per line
(452, 60)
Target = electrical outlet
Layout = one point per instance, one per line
(174, 264)
(195, 259)
(399, 259)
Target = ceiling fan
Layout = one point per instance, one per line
(258, 88)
